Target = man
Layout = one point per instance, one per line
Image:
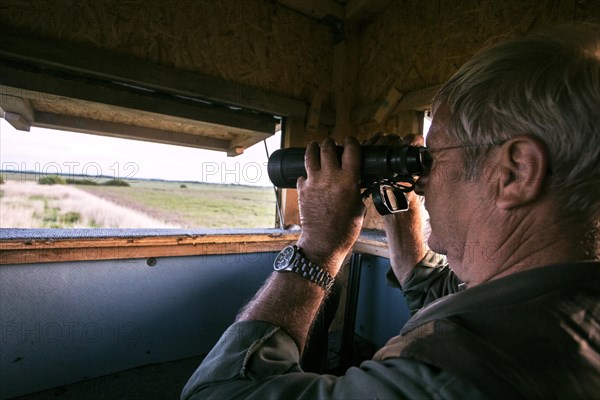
(423, 275)
(514, 204)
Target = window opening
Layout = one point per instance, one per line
(426, 123)
(280, 220)
(60, 179)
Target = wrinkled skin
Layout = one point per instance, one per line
(331, 210)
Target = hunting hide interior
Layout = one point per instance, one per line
(220, 75)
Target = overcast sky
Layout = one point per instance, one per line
(49, 151)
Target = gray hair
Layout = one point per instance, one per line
(546, 85)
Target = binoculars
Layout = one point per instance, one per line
(387, 172)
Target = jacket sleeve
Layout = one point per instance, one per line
(431, 279)
(257, 360)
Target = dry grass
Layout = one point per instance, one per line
(29, 205)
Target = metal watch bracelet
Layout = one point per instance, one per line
(308, 270)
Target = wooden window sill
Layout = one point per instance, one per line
(24, 246)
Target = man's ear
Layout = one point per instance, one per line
(522, 165)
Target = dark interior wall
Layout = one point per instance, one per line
(417, 44)
(381, 309)
(65, 322)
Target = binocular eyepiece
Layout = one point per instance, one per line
(386, 172)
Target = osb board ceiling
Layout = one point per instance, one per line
(102, 112)
(46, 110)
(418, 44)
(253, 42)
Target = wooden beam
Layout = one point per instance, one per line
(14, 75)
(21, 251)
(363, 114)
(314, 112)
(375, 248)
(419, 100)
(317, 9)
(359, 10)
(241, 142)
(327, 116)
(387, 105)
(105, 65)
(37, 251)
(235, 151)
(17, 121)
(413, 101)
(344, 79)
(16, 111)
(16, 105)
(294, 136)
(106, 128)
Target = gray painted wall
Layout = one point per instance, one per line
(64, 322)
(381, 310)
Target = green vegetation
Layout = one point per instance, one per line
(54, 219)
(116, 182)
(173, 203)
(71, 181)
(2, 179)
(52, 180)
(201, 205)
(51, 216)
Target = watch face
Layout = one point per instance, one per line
(283, 259)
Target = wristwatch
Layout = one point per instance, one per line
(292, 259)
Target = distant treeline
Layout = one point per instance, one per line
(80, 179)
(59, 180)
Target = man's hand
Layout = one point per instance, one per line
(331, 210)
(404, 230)
(331, 218)
(395, 140)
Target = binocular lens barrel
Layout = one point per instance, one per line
(378, 162)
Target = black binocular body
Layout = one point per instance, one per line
(395, 164)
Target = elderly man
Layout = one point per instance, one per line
(514, 203)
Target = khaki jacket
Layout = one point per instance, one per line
(530, 335)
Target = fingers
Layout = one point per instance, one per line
(413, 140)
(351, 157)
(312, 158)
(320, 157)
(382, 139)
(390, 140)
(329, 157)
(373, 140)
(325, 158)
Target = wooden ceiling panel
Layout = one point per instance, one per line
(72, 87)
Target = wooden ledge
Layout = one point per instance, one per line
(43, 246)
(372, 241)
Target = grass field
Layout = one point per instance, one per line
(143, 204)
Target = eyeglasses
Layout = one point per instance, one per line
(428, 160)
(427, 151)
(466, 146)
